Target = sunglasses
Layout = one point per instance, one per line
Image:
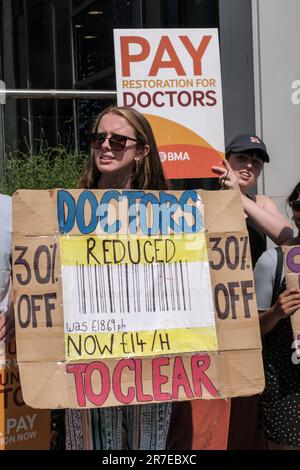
(116, 142)
(295, 205)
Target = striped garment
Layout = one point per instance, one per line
(143, 427)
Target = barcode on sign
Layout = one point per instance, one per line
(125, 288)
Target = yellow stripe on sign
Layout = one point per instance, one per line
(99, 250)
(139, 343)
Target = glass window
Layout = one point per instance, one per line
(93, 34)
(199, 13)
(40, 46)
(76, 3)
(63, 37)
(87, 111)
(20, 53)
(180, 13)
(94, 54)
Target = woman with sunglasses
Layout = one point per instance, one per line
(123, 155)
(280, 402)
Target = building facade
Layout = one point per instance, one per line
(68, 44)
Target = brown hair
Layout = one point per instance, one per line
(149, 174)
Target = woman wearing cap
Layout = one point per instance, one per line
(280, 402)
(245, 158)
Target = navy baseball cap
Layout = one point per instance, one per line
(246, 142)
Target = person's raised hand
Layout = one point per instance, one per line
(227, 177)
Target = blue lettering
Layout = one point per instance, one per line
(132, 197)
(163, 210)
(103, 212)
(149, 199)
(168, 207)
(187, 208)
(65, 222)
(83, 198)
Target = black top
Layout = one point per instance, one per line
(280, 402)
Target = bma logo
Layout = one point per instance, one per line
(173, 156)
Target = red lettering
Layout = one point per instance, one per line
(196, 54)
(211, 95)
(97, 399)
(200, 363)
(159, 379)
(171, 94)
(198, 97)
(158, 105)
(146, 102)
(129, 99)
(180, 379)
(85, 383)
(117, 381)
(127, 58)
(181, 100)
(140, 396)
(78, 370)
(165, 46)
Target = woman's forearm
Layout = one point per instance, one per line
(268, 319)
(275, 226)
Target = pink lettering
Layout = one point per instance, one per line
(180, 379)
(117, 381)
(78, 371)
(102, 369)
(159, 379)
(140, 396)
(200, 363)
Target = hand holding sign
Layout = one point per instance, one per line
(291, 302)
(287, 303)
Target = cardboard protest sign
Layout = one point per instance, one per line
(21, 427)
(125, 297)
(292, 277)
(175, 80)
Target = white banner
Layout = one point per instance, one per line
(175, 80)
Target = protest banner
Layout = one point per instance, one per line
(292, 277)
(21, 427)
(175, 80)
(125, 297)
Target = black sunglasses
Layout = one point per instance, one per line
(295, 205)
(116, 142)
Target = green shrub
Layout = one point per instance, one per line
(50, 167)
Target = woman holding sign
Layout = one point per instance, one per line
(245, 157)
(123, 155)
(280, 402)
(209, 420)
